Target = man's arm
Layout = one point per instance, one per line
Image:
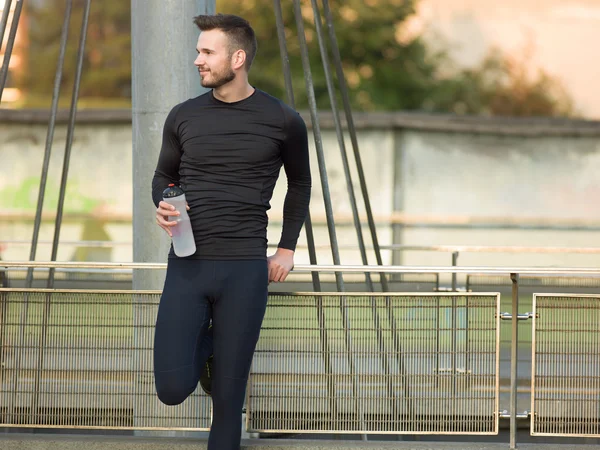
(296, 164)
(167, 168)
(167, 171)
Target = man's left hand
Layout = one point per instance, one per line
(280, 264)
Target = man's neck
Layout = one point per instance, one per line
(230, 92)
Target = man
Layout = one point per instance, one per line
(225, 149)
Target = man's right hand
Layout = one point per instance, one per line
(163, 212)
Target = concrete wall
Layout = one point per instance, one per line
(516, 186)
(432, 180)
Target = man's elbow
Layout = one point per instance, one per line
(304, 183)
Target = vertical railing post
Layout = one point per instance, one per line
(514, 347)
(454, 264)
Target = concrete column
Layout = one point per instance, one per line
(163, 74)
(164, 41)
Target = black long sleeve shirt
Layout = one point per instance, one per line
(227, 157)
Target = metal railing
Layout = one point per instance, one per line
(83, 359)
(366, 379)
(565, 382)
(377, 364)
(391, 247)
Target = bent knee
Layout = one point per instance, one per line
(171, 391)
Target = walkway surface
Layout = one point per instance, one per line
(15, 441)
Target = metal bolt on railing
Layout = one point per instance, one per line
(508, 316)
(504, 414)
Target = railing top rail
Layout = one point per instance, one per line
(300, 268)
(353, 294)
(396, 247)
(492, 249)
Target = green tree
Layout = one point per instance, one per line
(386, 66)
(107, 59)
(502, 86)
(388, 69)
(381, 73)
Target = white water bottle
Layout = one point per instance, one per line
(183, 237)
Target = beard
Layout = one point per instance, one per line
(218, 79)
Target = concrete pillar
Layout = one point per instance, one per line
(164, 40)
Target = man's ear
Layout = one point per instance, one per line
(238, 59)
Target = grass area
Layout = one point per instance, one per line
(420, 322)
(76, 316)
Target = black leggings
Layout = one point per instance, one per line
(234, 295)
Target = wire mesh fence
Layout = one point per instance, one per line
(352, 363)
(368, 363)
(83, 359)
(566, 365)
(377, 363)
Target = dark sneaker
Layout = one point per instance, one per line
(206, 376)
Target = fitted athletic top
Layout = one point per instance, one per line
(227, 157)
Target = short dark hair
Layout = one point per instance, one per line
(238, 30)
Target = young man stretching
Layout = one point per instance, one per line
(225, 149)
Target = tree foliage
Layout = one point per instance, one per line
(386, 68)
(107, 58)
(380, 73)
(503, 86)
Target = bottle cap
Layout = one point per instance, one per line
(172, 191)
